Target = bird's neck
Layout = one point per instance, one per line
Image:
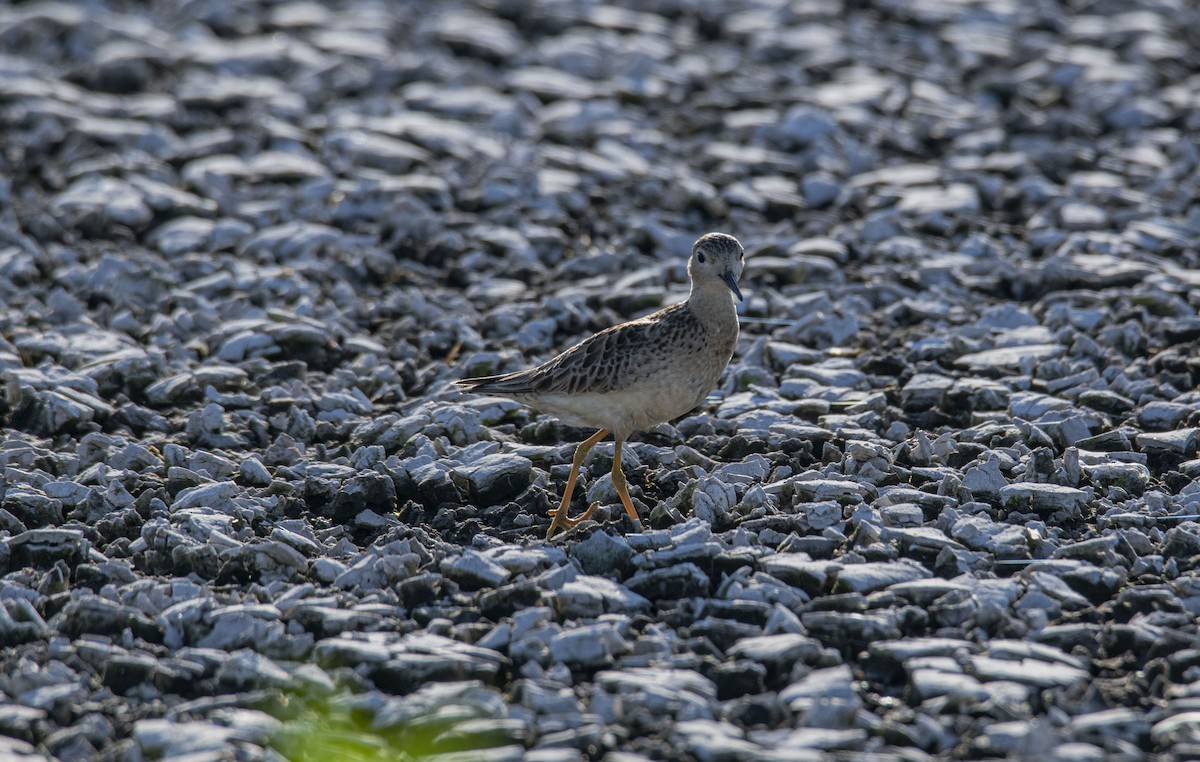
(712, 303)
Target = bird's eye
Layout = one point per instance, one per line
(700, 257)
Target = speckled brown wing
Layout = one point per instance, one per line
(616, 358)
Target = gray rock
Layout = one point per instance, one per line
(365, 149)
(1032, 405)
(1175, 728)
(184, 235)
(167, 738)
(247, 669)
(1163, 416)
(777, 652)
(601, 553)
(985, 479)
(824, 698)
(590, 596)
(480, 35)
(709, 740)
(494, 477)
(927, 538)
(1177, 442)
(1047, 498)
(800, 570)
(43, 547)
(669, 583)
(1026, 356)
(953, 686)
(681, 694)
(1027, 672)
(349, 651)
(818, 490)
(236, 627)
(587, 646)
(252, 471)
(981, 533)
(97, 201)
(868, 577)
(18, 749)
(1134, 478)
(820, 189)
(925, 390)
(218, 496)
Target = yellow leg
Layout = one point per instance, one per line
(618, 479)
(560, 515)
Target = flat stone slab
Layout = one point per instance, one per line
(1008, 357)
(1044, 497)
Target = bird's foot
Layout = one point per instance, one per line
(565, 522)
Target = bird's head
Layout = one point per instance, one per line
(717, 258)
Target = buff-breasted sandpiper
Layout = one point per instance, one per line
(636, 374)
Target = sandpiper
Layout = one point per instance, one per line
(636, 374)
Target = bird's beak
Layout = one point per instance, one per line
(731, 281)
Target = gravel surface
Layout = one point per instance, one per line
(944, 500)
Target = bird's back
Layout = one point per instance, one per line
(615, 358)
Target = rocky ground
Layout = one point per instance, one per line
(943, 502)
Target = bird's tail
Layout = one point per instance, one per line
(508, 383)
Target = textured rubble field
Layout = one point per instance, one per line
(943, 502)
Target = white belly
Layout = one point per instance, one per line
(629, 410)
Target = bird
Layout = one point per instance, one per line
(636, 374)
